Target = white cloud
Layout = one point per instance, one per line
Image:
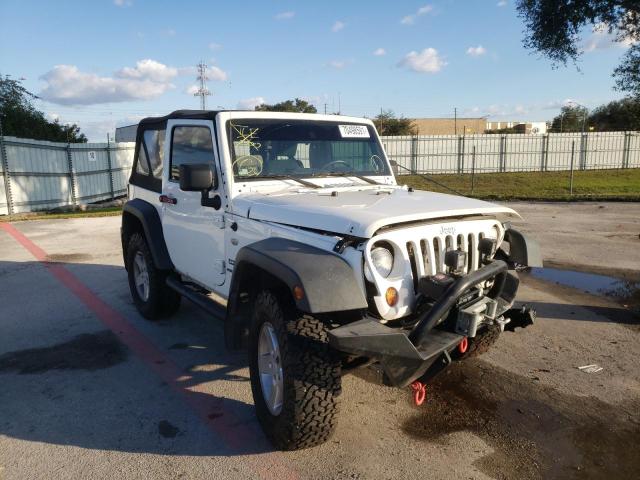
(476, 51)
(285, 15)
(123, 3)
(601, 39)
(411, 18)
(170, 32)
(217, 74)
(148, 69)
(192, 89)
(250, 103)
(337, 26)
(67, 85)
(215, 46)
(502, 3)
(427, 61)
(337, 64)
(379, 52)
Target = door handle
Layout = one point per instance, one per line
(168, 199)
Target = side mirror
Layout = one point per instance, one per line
(196, 177)
(199, 177)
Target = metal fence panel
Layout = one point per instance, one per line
(44, 175)
(4, 206)
(514, 153)
(41, 175)
(38, 173)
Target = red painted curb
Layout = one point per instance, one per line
(234, 431)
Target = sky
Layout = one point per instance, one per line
(108, 63)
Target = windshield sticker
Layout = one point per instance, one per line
(353, 131)
(247, 135)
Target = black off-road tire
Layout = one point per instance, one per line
(162, 301)
(483, 341)
(311, 375)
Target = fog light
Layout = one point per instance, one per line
(391, 296)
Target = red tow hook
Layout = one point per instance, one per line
(463, 345)
(419, 392)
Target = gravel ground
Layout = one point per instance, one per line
(92, 390)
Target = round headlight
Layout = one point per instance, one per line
(382, 260)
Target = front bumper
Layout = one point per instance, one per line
(406, 355)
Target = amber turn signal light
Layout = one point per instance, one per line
(298, 292)
(391, 296)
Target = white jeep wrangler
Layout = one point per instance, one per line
(292, 229)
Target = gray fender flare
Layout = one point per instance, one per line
(148, 217)
(328, 281)
(522, 250)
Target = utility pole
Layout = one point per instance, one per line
(455, 120)
(339, 106)
(325, 108)
(202, 91)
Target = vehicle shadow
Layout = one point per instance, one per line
(590, 313)
(68, 380)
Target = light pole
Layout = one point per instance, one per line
(584, 113)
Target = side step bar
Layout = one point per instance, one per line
(210, 306)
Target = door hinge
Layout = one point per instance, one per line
(218, 220)
(220, 266)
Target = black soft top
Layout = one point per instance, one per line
(184, 114)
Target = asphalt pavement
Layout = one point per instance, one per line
(90, 389)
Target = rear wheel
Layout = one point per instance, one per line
(150, 293)
(295, 375)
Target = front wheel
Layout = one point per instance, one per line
(295, 375)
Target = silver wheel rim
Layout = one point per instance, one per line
(270, 368)
(141, 276)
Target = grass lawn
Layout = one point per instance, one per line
(102, 212)
(587, 185)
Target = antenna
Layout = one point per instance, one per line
(202, 91)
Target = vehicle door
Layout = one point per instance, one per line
(194, 233)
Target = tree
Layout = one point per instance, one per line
(553, 27)
(572, 118)
(618, 115)
(298, 105)
(387, 124)
(20, 118)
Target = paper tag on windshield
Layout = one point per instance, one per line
(353, 131)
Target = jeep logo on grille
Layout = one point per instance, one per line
(451, 230)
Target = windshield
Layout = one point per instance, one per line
(268, 148)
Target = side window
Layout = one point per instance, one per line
(190, 145)
(142, 164)
(154, 140)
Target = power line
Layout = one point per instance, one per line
(202, 91)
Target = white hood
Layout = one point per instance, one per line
(359, 212)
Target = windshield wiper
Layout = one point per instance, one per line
(365, 179)
(346, 174)
(288, 177)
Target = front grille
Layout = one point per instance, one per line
(419, 251)
(426, 255)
